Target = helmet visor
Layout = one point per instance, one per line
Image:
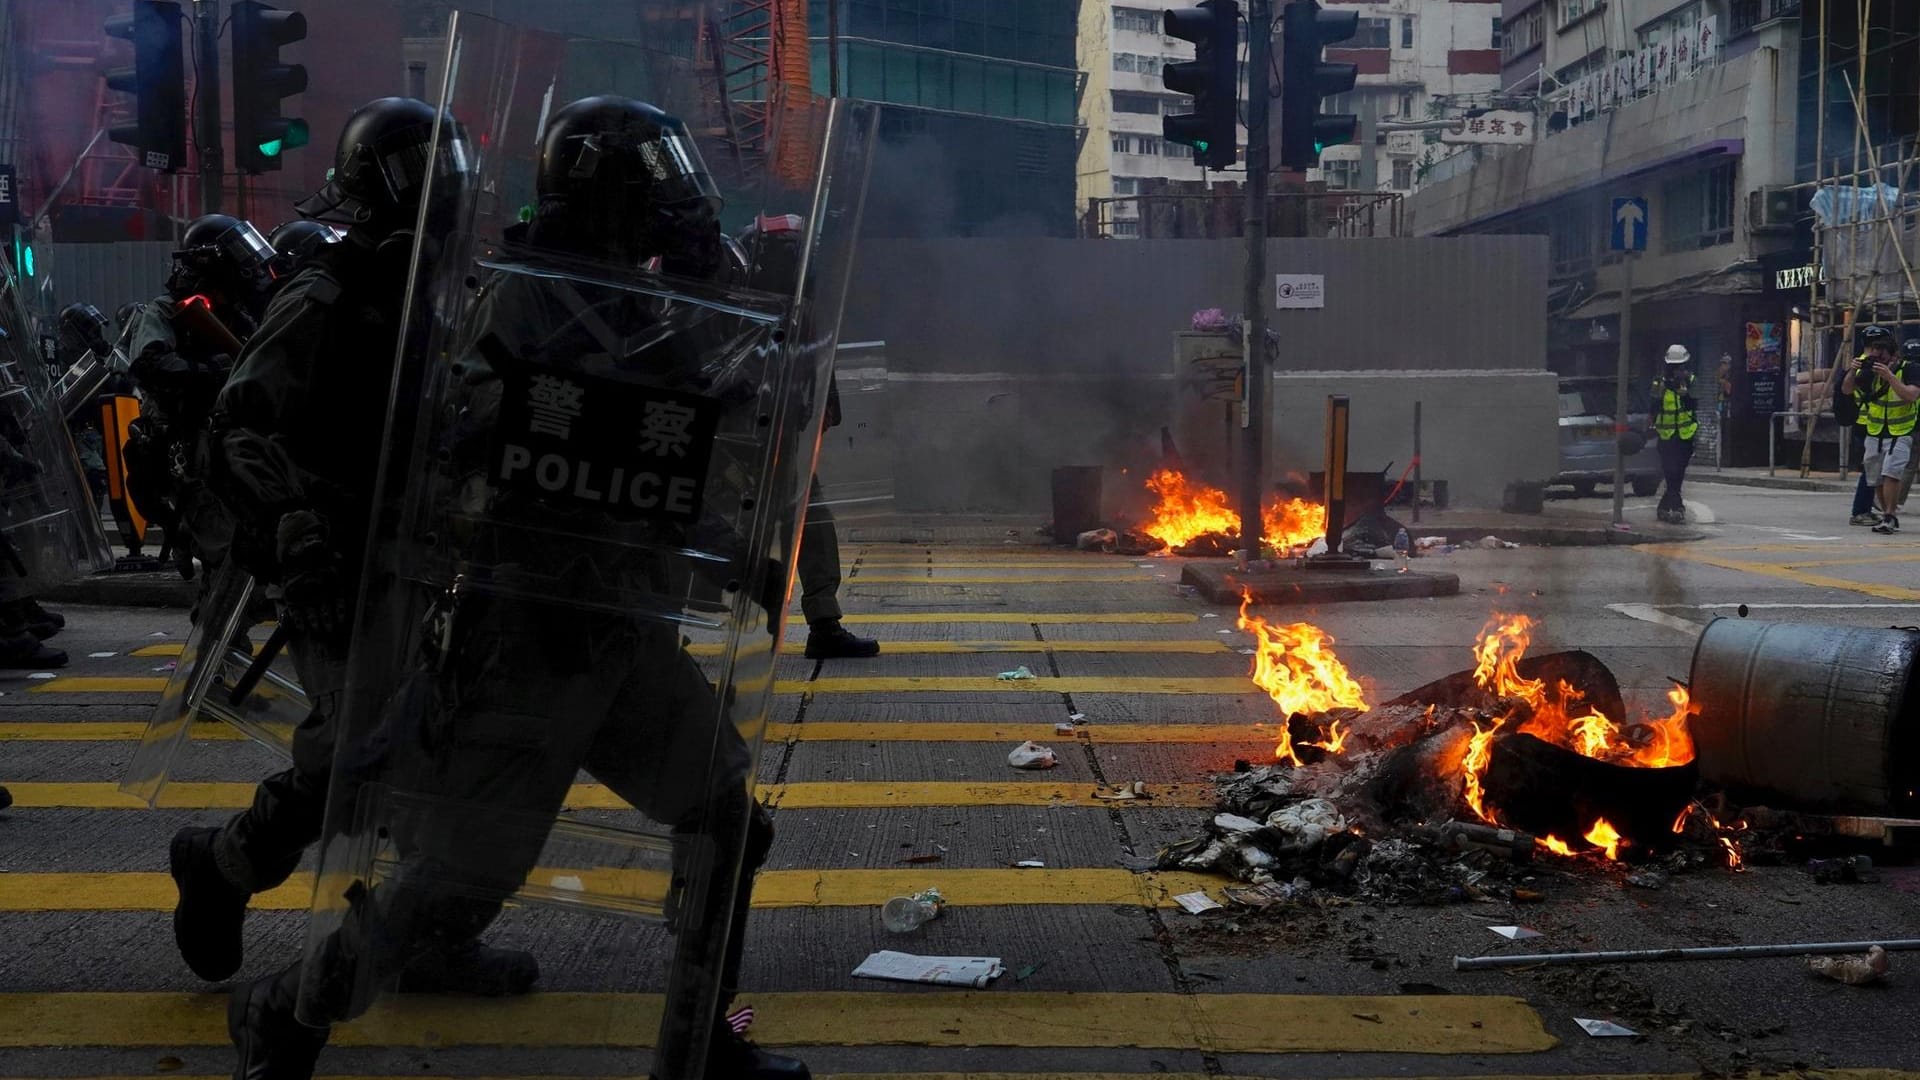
(244, 247)
(673, 164)
(405, 161)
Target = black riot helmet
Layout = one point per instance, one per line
(621, 179)
(223, 254)
(296, 242)
(1910, 351)
(381, 168)
(83, 329)
(774, 244)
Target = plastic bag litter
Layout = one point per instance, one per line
(1318, 547)
(1019, 674)
(1234, 823)
(1852, 970)
(1494, 543)
(1428, 543)
(1307, 824)
(1031, 755)
(1098, 540)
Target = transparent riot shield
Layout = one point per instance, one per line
(49, 527)
(599, 448)
(234, 668)
(77, 387)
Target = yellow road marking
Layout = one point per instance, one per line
(1865, 560)
(1131, 576)
(811, 731)
(101, 684)
(1213, 1023)
(1062, 562)
(1783, 573)
(1038, 618)
(845, 731)
(834, 795)
(1102, 886)
(1116, 684)
(904, 648)
(1823, 1074)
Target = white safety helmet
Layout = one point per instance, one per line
(1678, 354)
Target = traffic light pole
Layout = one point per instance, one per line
(206, 89)
(1259, 380)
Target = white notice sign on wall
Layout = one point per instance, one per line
(1300, 290)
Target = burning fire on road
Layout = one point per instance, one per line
(1539, 748)
(1190, 513)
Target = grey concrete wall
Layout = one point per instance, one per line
(1006, 359)
(1062, 306)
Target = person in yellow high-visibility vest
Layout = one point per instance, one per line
(1879, 382)
(1675, 423)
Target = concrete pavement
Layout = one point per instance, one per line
(878, 763)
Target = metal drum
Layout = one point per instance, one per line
(1820, 717)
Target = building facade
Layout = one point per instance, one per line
(1692, 106)
(980, 129)
(1418, 60)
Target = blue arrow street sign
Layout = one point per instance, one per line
(1629, 224)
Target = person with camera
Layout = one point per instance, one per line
(1878, 381)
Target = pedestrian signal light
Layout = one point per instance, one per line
(1212, 78)
(1306, 77)
(260, 80)
(158, 82)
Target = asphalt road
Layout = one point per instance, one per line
(875, 763)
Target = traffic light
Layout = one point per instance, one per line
(1305, 78)
(1212, 77)
(158, 82)
(260, 80)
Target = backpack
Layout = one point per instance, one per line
(1846, 407)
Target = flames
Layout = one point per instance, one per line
(1561, 715)
(1295, 664)
(1188, 510)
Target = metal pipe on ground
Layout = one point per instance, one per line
(1642, 956)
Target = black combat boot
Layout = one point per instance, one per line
(472, 968)
(20, 650)
(25, 615)
(828, 640)
(273, 1044)
(211, 909)
(733, 1056)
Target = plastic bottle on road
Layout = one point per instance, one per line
(1402, 548)
(905, 914)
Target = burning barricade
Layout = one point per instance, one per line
(1450, 792)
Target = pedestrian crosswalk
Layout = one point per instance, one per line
(886, 777)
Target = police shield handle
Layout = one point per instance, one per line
(199, 318)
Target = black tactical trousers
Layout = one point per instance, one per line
(819, 564)
(260, 847)
(474, 763)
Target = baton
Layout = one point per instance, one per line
(258, 669)
(200, 317)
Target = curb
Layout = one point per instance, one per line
(163, 589)
(1220, 583)
(1777, 483)
(1556, 535)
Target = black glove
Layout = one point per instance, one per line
(773, 595)
(313, 587)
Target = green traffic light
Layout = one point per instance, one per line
(297, 134)
(271, 148)
(26, 258)
(1201, 145)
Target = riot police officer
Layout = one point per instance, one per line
(295, 244)
(770, 248)
(517, 693)
(183, 347)
(294, 448)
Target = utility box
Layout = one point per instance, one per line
(1209, 386)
